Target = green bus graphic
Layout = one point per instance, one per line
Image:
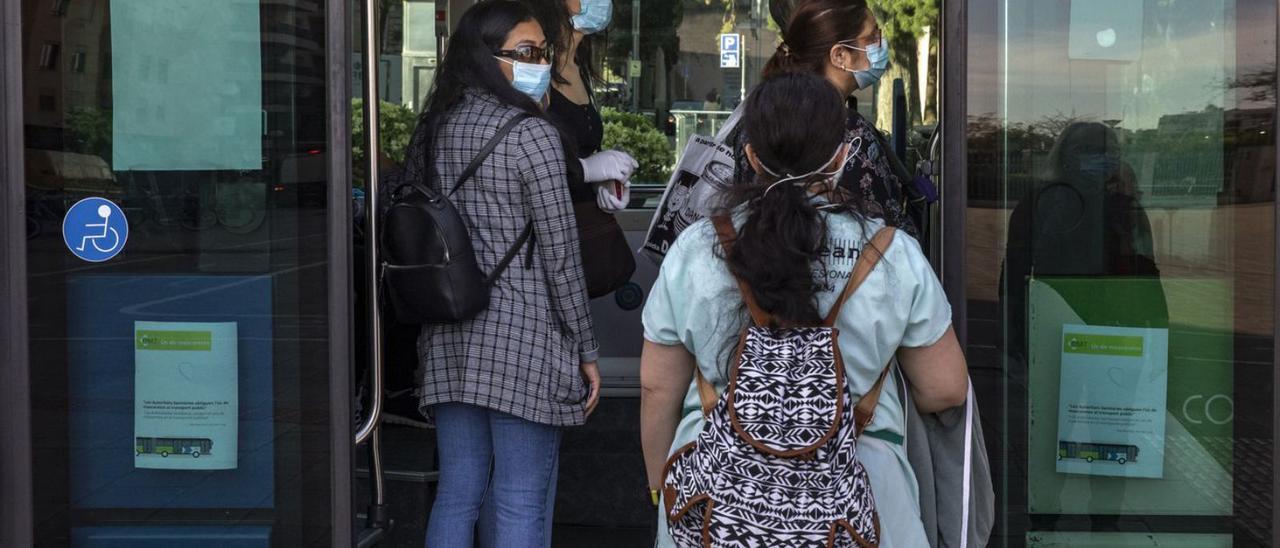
(1089, 452)
(174, 446)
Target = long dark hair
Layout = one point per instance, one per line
(811, 30)
(469, 62)
(784, 233)
(557, 25)
(780, 12)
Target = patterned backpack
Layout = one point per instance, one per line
(776, 464)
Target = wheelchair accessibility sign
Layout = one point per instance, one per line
(95, 229)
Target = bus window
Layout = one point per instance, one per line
(684, 65)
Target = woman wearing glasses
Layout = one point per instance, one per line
(500, 387)
(840, 40)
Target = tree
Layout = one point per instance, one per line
(903, 23)
(89, 131)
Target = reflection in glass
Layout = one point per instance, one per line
(1120, 177)
(181, 381)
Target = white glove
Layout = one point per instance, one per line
(612, 196)
(608, 165)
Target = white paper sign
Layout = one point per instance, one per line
(186, 407)
(1113, 400)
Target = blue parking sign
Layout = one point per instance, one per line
(95, 229)
(730, 50)
(728, 43)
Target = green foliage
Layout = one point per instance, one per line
(903, 21)
(89, 130)
(395, 126)
(630, 120)
(637, 135)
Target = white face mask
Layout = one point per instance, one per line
(827, 176)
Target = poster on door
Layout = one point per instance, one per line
(1113, 401)
(186, 405)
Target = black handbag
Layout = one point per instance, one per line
(607, 259)
(429, 270)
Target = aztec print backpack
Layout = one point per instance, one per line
(776, 463)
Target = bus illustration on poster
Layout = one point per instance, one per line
(186, 404)
(1112, 401)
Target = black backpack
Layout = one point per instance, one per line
(429, 270)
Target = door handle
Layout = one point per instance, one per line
(933, 168)
(371, 103)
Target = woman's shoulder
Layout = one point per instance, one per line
(484, 108)
(697, 238)
(534, 127)
(849, 226)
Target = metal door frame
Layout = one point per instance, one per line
(15, 409)
(953, 56)
(16, 522)
(1275, 310)
(338, 43)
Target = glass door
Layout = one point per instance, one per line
(1121, 267)
(178, 273)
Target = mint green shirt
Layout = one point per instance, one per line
(696, 303)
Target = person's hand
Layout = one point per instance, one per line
(591, 374)
(612, 196)
(608, 165)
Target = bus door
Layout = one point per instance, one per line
(664, 71)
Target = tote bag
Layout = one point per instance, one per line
(706, 167)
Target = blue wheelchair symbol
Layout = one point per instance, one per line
(95, 229)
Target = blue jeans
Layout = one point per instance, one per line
(485, 537)
(522, 455)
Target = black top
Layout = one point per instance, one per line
(582, 122)
(872, 174)
(585, 131)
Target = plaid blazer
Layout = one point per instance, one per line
(522, 354)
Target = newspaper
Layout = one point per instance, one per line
(705, 170)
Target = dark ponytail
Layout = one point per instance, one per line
(784, 234)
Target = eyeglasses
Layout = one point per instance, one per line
(526, 54)
(875, 38)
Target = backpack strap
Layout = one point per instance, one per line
(487, 150)
(471, 170)
(706, 392)
(865, 409)
(867, 261)
(727, 234)
(511, 255)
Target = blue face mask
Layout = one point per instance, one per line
(878, 56)
(1099, 167)
(530, 78)
(594, 17)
